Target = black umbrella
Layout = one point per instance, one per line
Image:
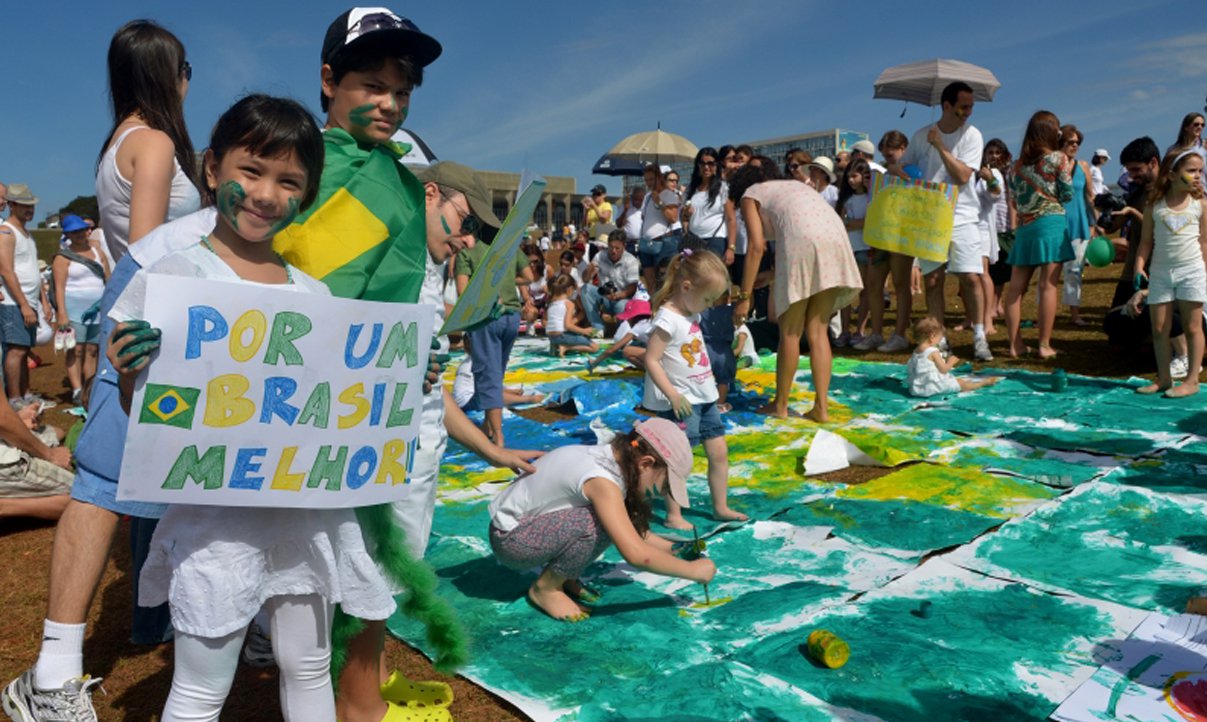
(609, 164)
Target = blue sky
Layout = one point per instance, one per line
(551, 86)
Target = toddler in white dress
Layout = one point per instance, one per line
(930, 373)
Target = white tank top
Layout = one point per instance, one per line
(113, 197)
(25, 266)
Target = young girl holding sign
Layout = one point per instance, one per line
(216, 566)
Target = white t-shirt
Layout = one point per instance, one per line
(25, 266)
(653, 221)
(555, 317)
(556, 485)
(640, 330)
(624, 272)
(748, 350)
(830, 194)
(632, 224)
(1097, 182)
(967, 146)
(708, 219)
(685, 362)
(856, 208)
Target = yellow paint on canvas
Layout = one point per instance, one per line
(964, 489)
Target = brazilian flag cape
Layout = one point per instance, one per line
(365, 236)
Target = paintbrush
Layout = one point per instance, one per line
(696, 534)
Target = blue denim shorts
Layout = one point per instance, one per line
(568, 339)
(651, 252)
(13, 331)
(705, 422)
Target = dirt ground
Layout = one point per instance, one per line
(137, 678)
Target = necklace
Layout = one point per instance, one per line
(205, 241)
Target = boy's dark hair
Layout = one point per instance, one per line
(367, 59)
(951, 94)
(272, 127)
(893, 139)
(1140, 150)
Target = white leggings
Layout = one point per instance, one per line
(301, 643)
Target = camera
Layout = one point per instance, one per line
(608, 289)
(1108, 203)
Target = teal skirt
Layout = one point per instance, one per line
(1044, 240)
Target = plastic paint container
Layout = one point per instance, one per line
(827, 649)
(1060, 380)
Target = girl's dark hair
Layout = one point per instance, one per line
(749, 175)
(271, 128)
(1184, 130)
(568, 256)
(714, 185)
(1042, 137)
(366, 59)
(724, 151)
(146, 63)
(1006, 157)
(846, 191)
(628, 448)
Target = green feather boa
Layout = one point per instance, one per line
(419, 602)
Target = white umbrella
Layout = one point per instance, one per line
(654, 146)
(420, 154)
(923, 82)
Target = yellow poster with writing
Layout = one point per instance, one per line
(911, 217)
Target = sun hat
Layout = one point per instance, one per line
(20, 194)
(71, 223)
(382, 27)
(865, 146)
(670, 442)
(464, 179)
(1101, 153)
(826, 165)
(635, 307)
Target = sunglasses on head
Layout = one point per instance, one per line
(379, 21)
(186, 70)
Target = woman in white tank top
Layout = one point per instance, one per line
(146, 173)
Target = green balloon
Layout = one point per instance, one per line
(1100, 252)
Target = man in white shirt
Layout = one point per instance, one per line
(24, 296)
(618, 272)
(630, 218)
(950, 152)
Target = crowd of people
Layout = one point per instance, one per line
(683, 278)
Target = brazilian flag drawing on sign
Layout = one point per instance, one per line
(365, 236)
(169, 405)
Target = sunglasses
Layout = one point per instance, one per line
(795, 166)
(186, 70)
(708, 162)
(379, 21)
(470, 224)
(1073, 141)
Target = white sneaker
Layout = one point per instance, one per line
(72, 703)
(895, 343)
(1179, 367)
(869, 342)
(980, 349)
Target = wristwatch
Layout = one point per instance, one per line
(742, 296)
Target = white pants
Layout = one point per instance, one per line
(413, 512)
(301, 643)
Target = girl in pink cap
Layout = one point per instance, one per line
(580, 501)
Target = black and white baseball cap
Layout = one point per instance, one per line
(360, 27)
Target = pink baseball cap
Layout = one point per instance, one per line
(635, 307)
(670, 442)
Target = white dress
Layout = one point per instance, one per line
(215, 565)
(925, 378)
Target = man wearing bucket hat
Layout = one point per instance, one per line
(23, 292)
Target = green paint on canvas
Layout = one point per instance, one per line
(904, 525)
(958, 664)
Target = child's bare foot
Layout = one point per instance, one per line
(817, 415)
(579, 592)
(1019, 351)
(726, 514)
(556, 604)
(1045, 353)
(990, 330)
(678, 522)
(1079, 321)
(772, 410)
(1153, 389)
(1182, 391)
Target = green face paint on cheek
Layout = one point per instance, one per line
(358, 116)
(291, 211)
(230, 196)
(445, 224)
